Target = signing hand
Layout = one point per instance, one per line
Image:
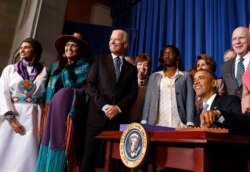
(208, 118)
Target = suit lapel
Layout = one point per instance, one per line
(233, 72)
(110, 67)
(124, 67)
(216, 103)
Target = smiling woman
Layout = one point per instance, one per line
(65, 95)
(22, 91)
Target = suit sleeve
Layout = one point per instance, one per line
(147, 100)
(237, 123)
(92, 83)
(233, 118)
(190, 107)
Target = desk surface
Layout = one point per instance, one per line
(185, 137)
(200, 151)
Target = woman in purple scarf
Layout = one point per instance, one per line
(22, 93)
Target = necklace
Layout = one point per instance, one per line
(170, 82)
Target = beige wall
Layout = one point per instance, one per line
(100, 15)
(43, 20)
(26, 25)
(9, 11)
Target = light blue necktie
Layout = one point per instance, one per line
(205, 107)
(117, 67)
(240, 71)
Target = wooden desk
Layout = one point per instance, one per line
(197, 151)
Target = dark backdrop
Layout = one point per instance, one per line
(194, 26)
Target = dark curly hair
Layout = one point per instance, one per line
(179, 63)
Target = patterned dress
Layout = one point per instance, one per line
(18, 153)
(65, 101)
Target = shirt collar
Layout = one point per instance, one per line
(210, 101)
(178, 72)
(246, 57)
(114, 56)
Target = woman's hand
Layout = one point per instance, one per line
(17, 127)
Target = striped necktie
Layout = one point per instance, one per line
(240, 71)
(117, 67)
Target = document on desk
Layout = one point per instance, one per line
(166, 129)
(148, 127)
(212, 130)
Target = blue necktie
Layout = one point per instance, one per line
(240, 72)
(117, 67)
(205, 107)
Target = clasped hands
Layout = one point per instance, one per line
(110, 111)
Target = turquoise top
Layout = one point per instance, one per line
(81, 69)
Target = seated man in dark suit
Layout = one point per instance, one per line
(221, 111)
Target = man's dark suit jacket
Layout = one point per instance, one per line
(228, 69)
(223, 103)
(234, 120)
(103, 89)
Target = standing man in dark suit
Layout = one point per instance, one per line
(232, 75)
(112, 89)
(221, 111)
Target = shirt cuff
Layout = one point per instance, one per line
(104, 108)
(190, 123)
(144, 122)
(221, 119)
(120, 111)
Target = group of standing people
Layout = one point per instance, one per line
(44, 114)
(50, 120)
(41, 118)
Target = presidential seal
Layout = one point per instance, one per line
(133, 145)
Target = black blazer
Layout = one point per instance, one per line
(103, 89)
(230, 108)
(223, 103)
(237, 123)
(228, 103)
